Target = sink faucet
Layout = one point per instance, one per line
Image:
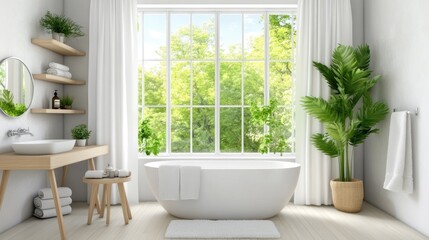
(19, 132)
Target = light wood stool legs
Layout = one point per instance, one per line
(106, 201)
(108, 195)
(103, 201)
(123, 201)
(94, 194)
(91, 166)
(128, 207)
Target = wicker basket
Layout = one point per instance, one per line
(347, 196)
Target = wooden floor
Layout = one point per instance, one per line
(150, 222)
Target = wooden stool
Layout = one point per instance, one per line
(107, 187)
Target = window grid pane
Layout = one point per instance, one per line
(249, 61)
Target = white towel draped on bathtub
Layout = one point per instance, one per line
(399, 167)
(169, 182)
(189, 182)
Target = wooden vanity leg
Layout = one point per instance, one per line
(63, 178)
(4, 179)
(91, 166)
(54, 189)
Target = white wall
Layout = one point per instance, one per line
(19, 22)
(397, 32)
(78, 10)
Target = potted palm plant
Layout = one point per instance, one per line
(81, 134)
(349, 116)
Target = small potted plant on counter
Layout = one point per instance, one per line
(60, 26)
(66, 102)
(81, 134)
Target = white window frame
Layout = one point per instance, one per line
(216, 9)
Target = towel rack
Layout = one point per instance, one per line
(416, 111)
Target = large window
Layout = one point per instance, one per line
(199, 72)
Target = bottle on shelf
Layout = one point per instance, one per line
(55, 101)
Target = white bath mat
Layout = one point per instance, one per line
(221, 229)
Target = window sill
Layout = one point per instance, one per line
(289, 157)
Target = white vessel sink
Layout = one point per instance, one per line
(41, 147)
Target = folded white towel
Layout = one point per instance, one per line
(49, 203)
(123, 173)
(58, 72)
(46, 193)
(94, 174)
(48, 213)
(59, 66)
(189, 182)
(399, 166)
(169, 177)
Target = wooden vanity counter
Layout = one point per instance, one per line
(12, 161)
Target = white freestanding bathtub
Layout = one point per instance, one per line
(239, 189)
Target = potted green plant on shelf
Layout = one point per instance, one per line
(66, 102)
(148, 140)
(60, 26)
(349, 116)
(81, 134)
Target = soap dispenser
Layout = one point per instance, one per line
(55, 101)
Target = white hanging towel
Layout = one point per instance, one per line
(190, 182)
(399, 166)
(169, 182)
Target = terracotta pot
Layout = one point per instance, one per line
(347, 196)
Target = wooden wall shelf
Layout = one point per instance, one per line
(57, 111)
(58, 47)
(58, 79)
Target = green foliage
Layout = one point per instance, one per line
(8, 106)
(148, 140)
(66, 101)
(61, 24)
(273, 140)
(349, 115)
(2, 75)
(80, 132)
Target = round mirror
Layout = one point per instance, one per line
(16, 87)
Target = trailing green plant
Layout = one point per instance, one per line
(149, 142)
(66, 101)
(9, 106)
(80, 132)
(349, 115)
(273, 140)
(61, 24)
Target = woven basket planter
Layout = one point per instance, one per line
(347, 196)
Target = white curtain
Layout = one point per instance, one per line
(112, 85)
(322, 25)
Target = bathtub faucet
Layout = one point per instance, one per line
(19, 132)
